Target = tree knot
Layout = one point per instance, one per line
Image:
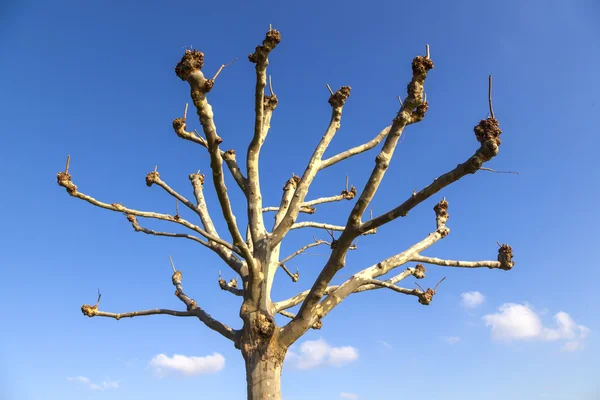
(418, 271)
(271, 41)
(421, 65)
(177, 278)
(505, 256)
(270, 102)
(191, 61)
(152, 178)
(349, 194)
(265, 325)
(488, 129)
(64, 180)
(338, 99)
(89, 310)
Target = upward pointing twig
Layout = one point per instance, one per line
(427, 55)
(67, 166)
(172, 265)
(185, 111)
(271, 86)
(490, 97)
(224, 66)
(329, 88)
(99, 296)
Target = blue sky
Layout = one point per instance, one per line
(95, 80)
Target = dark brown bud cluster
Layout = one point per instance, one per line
(349, 194)
(420, 112)
(292, 183)
(271, 41)
(270, 102)
(426, 297)
(191, 61)
(208, 85)
(488, 129)
(421, 65)
(179, 124)
(340, 96)
(64, 180)
(419, 271)
(152, 178)
(505, 256)
(441, 212)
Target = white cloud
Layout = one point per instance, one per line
(452, 339)
(94, 386)
(162, 364)
(521, 322)
(351, 396)
(472, 299)
(314, 353)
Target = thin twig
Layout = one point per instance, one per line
(490, 97)
(155, 168)
(185, 112)
(329, 87)
(346, 183)
(400, 100)
(498, 172)
(172, 264)
(223, 67)
(271, 86)
(176, 207)
(99, 296)
(67, 166)
(438, 284)
(427, 54)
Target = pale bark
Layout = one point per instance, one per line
(263, 378)
(256, 258)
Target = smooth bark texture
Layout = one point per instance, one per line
(263, 377)
(256, 258)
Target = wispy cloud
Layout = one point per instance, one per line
(163, 364)
(385, 344)
(315, 353)
(346, 395)
(471, 299)
(521, 322)
(105, 385)
(452, 339)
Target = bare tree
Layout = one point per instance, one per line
(255, 255)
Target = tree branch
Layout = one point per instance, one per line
(356, 150)
(263, 107)
(504, 262)
(228, 156)
(189, 69)
(336, 101)
(418, 272)
(301, 250)
(230, 286)
(197, 181)
(202, 315)
(64, 180)
(487, 132)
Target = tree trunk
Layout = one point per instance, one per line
(263, 377)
